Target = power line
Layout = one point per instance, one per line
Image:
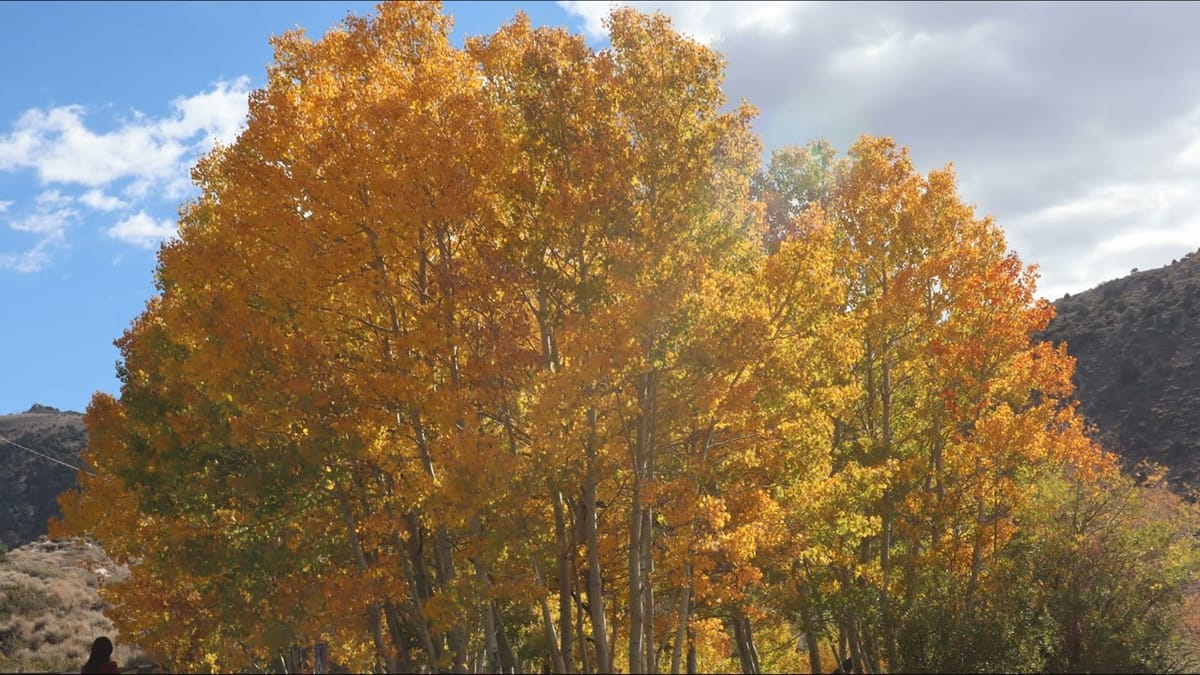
(40, 454)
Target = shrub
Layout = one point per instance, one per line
(22, 599)
(1100, 579)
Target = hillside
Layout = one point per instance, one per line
(32, 483)
(1137, 343)
(50, 607)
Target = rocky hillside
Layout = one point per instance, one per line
(51, 609)
(50, 606)
(31, 484)
(1137, 343)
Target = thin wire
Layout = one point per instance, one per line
(39, 454)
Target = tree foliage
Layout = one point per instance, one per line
(514, 356)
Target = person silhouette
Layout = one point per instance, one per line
(100, 660)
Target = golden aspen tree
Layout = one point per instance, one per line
(957, 409)
(657, 200)
(684, 156)
(316, 310)
(561, 139)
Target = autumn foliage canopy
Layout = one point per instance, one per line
(516, 356)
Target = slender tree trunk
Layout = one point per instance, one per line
(937, 469)
(742, 642)
(486, 619)
(577, 578)
(910, 575)
(565, 547)
(592, 542)
(508, 660)
(491, 648)
(870, 649)
(639, 459)
(863, 636)
(445, 572)
(885, 601)
(854, 642)
(885, 400)
(477, 657)
(642, 643)
(442, 554)
(547, 622)
(418, 578)
(976, 556)
(681, 626)
(810, 629)
(374, 619)
(813, 644)
(585, 666)
(857, 658)
(739, 646)
(843, 645)
(651, 642)
(635, 574)
(396, 632)
(748, 630)
(542, 313)
(647, 552)
(871, 390)
(458, 633)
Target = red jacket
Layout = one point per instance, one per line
(109, 668)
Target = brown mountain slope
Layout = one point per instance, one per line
(31, 484)
(1137, 343)
(50, 606)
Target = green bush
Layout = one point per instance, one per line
(1096, 581)
(22, 599)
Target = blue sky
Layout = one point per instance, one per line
(1076, 125)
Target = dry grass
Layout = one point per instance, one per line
(50, 610)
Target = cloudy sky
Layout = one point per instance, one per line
(1076, 125)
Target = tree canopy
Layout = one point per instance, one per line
(515, 356)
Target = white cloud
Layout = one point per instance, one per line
(142, 230)
(219, 113)
(1088, 155)
(63, 150)
(32, 260)
(45, 223)
(99, 201)
(48, 223)
(593, 15)
(16, 149)
(60, 146)
(900, 55)
(52, 199)
(142, 158)
(1187, 157)
(706, 22)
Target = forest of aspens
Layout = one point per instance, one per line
(517, 356)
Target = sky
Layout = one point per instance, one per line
(1076, 125)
